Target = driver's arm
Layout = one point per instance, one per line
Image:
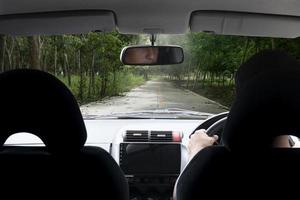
(199, 140)
(281, 141)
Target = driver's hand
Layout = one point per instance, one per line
(199, 140)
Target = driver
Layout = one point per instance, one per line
(143, 55)
(199, 140)
(261, 61)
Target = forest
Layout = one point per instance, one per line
(89, 64)
(212, 60)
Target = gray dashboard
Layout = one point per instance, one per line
(107, 133)
(103, 132)
(151, 171)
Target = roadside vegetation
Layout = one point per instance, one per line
(211, 61)
(123, 81)
(88, 64)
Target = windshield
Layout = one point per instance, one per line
(89, 64)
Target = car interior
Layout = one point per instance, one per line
(139, 158)
(60, 126)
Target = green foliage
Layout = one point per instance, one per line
(212, 60)
(88, 63)
(125, 81)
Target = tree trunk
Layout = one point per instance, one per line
(18, 55)
(115, 80)
(245, 51)
(2, 51)
(34, 52)
(9, 51)
(103, 82)
(196, 78)
(93, 80)
(92, 77)
(44, 62)
(55, 60)
(40, 48)
(273, 43)
(204, 78)
(218, 79)
(81, 77)
(211, 79)
(188, 74)
(223, 79)
(68, 70)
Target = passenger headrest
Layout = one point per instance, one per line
(37, 102)
(261, 62)
(267, 103)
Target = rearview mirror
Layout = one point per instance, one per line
(152, 55)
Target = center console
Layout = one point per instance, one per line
(151, 162)
(151, 169)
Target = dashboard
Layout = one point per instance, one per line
(103, 132)
(151, 152)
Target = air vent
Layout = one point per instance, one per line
(136, 136)
(161, 136)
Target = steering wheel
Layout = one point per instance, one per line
(214, 125)
(217, 129)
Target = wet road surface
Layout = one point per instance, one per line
(155, 94)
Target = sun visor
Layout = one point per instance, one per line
(57, 23)
(245, 24)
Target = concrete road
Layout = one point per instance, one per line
(153, 95)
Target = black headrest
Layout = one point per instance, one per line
(37, 102)
(267, 103)
(263, 61)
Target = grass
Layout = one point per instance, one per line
(221, 94)
(124, 82)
